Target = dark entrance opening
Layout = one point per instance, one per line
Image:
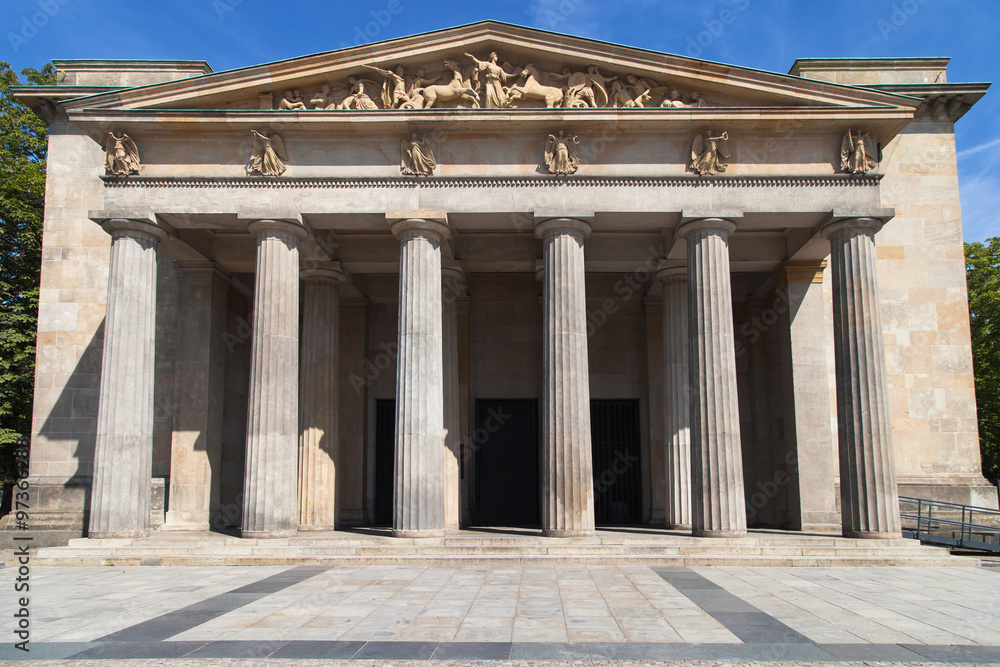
(385, 456)
(507, 463)
(614, 434)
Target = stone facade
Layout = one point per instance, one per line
(489, 279)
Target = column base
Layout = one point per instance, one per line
(872, 535)
(551, 532)
(192, 521)
(315, 529)
(117, 534)
(678, 526)
(718, 533)
(433, 532)
(267, 534)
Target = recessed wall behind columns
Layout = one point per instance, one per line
(239, 314)
(616, 349)
(163, 385)
(921, 271)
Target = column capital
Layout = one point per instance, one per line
(573, 226)
(265, 227)
(430, 223)
(669, 275)
(720, 226)
(861, 225)
(798, 271)
(144, 228)
(322, 273)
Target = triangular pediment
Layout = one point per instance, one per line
(586, 73)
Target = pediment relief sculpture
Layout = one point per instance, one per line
(268, 156)
(561, 154)
(492, 85)
(121, 155)
(416, 157)
(858, 152)
(707, 152)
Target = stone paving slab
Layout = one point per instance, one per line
(586, 614)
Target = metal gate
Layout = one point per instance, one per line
(614, 432)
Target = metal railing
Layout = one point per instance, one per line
(950, 523)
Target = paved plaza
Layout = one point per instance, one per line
(260, 615)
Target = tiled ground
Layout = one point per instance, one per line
(586, 613)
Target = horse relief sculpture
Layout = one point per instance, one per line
(122, 155)
(267, 157)
(416, 157)
(708, 151)
(561, 154)
(858, 152)
(492, 85)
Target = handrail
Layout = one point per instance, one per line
(970, 534)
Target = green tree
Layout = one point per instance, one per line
(23, 141)
(982, 270)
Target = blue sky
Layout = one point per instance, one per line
(765, 34)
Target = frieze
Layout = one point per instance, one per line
(485, 83)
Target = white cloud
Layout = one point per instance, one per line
(980, 206)
(979, 148)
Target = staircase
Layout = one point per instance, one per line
(484, 549)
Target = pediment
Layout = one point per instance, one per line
(452, 68)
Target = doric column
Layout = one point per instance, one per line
(718, 508)
(567, 472)
(869, 502)
(269, 488)
(199, 378)
(124, 448)
(418, 495)
(318, 396)
(452, 289)
(677, 396)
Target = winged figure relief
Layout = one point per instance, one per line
(858, 152)
(417, 158)
(122, 156)
(561, 154)
(268, 155)
(707, 153)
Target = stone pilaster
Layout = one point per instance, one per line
(199, 378)
(269, 488)
(124, 448)
(677, 396)
(319, 396)
(418, 496)
(567, 470)
(452, 289)
(718, 507)
(869, 502)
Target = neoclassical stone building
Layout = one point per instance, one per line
(494, 276)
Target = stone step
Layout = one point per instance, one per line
(511, 560)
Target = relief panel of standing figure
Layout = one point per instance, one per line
(268, 155)
(708, 151)
(417, 158)
(858, 152)
(122, 155)
(561, 154)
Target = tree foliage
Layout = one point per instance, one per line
(23, 141)
(982, 265)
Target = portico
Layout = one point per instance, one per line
(428, 313)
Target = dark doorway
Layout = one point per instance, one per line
(385, 456)
(614, 433)
(506, 461)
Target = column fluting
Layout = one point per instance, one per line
(869, 500)
(124, 445)
(567, 468)
(271, 477)
(718, 507)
